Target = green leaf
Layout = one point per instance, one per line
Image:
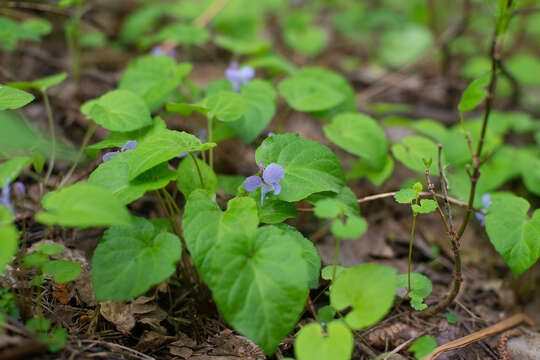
(266, 296)
(328, 271)
(309, 254)
(410, 42)
(242, 46)
(187, 109)
(451, 318)
(50, 249)
(423, 346)
(514, 235)
(184, 34)
(11, 169)
(405, 196)
(114, 176)
(204, 225)
(230, 183)
(12, 98)
(56, 341)
(421, 287)
(302, 35)
(83, 205)
(153, 78)
(21, 138)
(118, 110)
(426, 206)
(160, 147)
(328, 208)
(35, 259)
(38, 161)
(62, 270)
(273, 63)
(413, 149)
(9, 236)
(309, 166)
(38, 324)
(525, 67)
(307, 93)
(259, 97)
(353, 228)
(369, 289)
(130, 260)
(41, 84)
(326, 314)
(345, 197)
(273, 211)
(338, 344)
(188, 177)
(474, 94)
(225, 105)
(119, 138)
(360, 135)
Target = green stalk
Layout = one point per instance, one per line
(210, 139)
(53, 136)
(336, 256)
(198, 169)
(410, 252)
(87, 136)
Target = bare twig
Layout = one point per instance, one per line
(489, 331)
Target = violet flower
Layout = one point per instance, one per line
(19, 188)
(129, 145)
(239, 76)
(158, 51)
(268, 182)
(5, 198)
(486, 201)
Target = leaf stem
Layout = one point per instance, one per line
(198, 169)
(89, 132)
(50, 121)
(210, 126)
(410, 252)
(336, 257)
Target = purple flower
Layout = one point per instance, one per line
(158, 51)
(4, 199)
(201, 134)
(269, 182)
(239, 76)
(129, 145)
(19, 188)
(486, 201)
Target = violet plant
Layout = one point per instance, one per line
(259, 269)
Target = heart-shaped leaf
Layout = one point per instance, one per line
(225, 105)
(118, 110)
(309, 166)
(360, 135)
(308, 93)
(421, 287)
(130, 260)
(83, 205)
(426, 206)
(514, 235)
(267, 293)
(413, 149)
(352, 228)
(310, 343)
(369, 289)
(153, 78)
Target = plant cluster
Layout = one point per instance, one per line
(230, 236)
